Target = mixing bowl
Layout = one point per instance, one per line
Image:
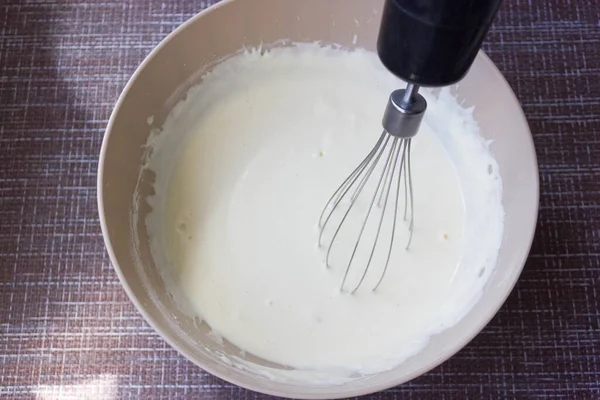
(179, 62)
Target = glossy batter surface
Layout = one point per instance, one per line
(264, 141)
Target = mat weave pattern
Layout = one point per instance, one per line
(67, 328)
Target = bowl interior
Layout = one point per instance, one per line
(178, 63)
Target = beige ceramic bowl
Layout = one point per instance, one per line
(178, 62)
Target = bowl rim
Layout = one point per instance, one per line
(456, 347)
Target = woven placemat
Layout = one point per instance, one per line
(67, 329)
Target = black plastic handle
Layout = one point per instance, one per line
(433, 42)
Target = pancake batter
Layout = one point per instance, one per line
(251, 158)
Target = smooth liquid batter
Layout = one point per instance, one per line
(264, 141)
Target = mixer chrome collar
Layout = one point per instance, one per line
(404, 112)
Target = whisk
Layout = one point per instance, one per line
(426, 43)
(401, 122)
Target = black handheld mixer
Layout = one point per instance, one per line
(428, 43)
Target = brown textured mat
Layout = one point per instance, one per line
(67, 329)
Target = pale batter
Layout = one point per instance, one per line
(245, 165)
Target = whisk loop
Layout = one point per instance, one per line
(401, 122)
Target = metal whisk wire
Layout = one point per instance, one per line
(401, 122)
(396, 158)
